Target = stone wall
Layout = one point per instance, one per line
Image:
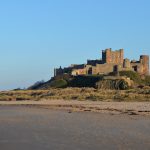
(104, 68)
(112, 61)
(144, 60)
(115, 57)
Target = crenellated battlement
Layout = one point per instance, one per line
(112, 61)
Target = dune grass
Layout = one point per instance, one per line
(77, 94)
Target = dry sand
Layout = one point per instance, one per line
(130, 108)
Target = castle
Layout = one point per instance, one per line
(112, 61)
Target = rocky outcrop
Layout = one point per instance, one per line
(112, 82)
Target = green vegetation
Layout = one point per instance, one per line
(94, 81)
(132, 75)
(147, 80)
(36, 85)
(84, 81)
(123, 85)
(77, 94)
(118, 84)
(61, 83)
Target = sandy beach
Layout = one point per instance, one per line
(130, 108)
(29, 128)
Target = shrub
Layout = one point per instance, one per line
(84, 81)
(123, 85)
(36, 85)
(59, 83)
(147, 80)
(132, 75)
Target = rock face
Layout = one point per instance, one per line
(110, 82)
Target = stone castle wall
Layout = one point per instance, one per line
(144, 60)
(115, 57)
(112, 61)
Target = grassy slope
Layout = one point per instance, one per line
(45, 90)
(78, 94)
(86, 81)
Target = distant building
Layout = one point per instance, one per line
(112, 61)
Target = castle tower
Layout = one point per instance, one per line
(126, 63)
(115, 57)
(106, 55)
(144, 60)
(121, 55)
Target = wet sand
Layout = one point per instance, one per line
(30, 128)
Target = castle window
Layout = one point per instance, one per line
(135, 68)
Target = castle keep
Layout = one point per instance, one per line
(112, 61)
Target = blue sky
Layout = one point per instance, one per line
(38, 35)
